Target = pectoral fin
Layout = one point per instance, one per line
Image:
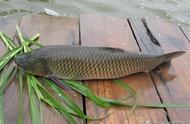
(59, 83)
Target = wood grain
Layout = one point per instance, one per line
(172, 81)
(53, 31)
(110, 31)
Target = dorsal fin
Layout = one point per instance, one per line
(111, 49)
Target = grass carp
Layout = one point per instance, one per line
(85, 63)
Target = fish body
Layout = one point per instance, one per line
(86, 63)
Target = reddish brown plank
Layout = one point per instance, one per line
(115, 32)
(54, 31)
(172, 81)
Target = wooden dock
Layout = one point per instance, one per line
(169, 84)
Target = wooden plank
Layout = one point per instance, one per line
(54, 31)
(8, 26)
(116, 32)
(142, 35)
(172, 81)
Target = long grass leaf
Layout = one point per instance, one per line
(2, 121)
(79, 87)
(131, 91)
(38, 94)
(20, 115)
(30, 42)
(84, 90)
(7, 41)
(10, 41)
(19, 34)
(5, 78)
(35, 37)
(71, 104)
(21, 38)
(34, 109)
(125, 86)
(7, 57)
(164, 105)
(54, 103)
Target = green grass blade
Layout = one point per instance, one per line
(38, 94)
(125, 86)
(20, 115)
(164, 105)
(35, 87)
(54, 103)
(84, 90)
(19, 34)
(10, 41)
(2, 121)
(7, 41)
(71, 104)
(81, 88)
(34, 109)
(21, 39)
(29, 42)
(7, 57)
(35, 37)
(5, 78)
(131, 91)
(100, 101)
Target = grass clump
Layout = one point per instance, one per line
(39, 93)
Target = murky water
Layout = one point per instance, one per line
(177, 11)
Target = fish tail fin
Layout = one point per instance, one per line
(170, 56)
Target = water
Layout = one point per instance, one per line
(177, 11)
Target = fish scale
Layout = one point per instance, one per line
(85, 63)
(108, 65)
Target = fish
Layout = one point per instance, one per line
(75, 62)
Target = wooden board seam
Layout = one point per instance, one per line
(184, 33)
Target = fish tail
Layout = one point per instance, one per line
(170, 56)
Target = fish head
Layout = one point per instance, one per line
(32, 64)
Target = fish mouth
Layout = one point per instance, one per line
(19, 60)
(20, 65)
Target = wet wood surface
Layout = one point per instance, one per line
(167, 84)
(116, 32)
